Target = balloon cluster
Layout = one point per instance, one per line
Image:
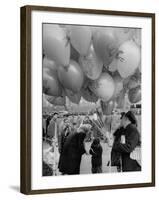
(91, 63)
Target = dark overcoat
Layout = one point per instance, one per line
(131, 141)
(115, 155)
(96, 152)
(73, 150)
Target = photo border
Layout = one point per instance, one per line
(25, 143)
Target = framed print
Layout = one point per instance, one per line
(87, 99)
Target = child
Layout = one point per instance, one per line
(96, 152)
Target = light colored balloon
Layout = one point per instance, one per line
(51, 85)
(134, 94)
(80, 37)
(55, 43)
(123, 34)
(49, 66)
(103, 87)
(71, 77)
(105, 45)
(73, 97)
(91, 64)
(128, 58)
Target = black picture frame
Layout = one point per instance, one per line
(25, 182)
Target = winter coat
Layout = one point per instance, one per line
(131, 141)
(73, 150)
(96, 152)
(115, 155)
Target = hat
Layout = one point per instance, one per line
(122, 115)
(130, 115)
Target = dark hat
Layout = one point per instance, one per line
(130, 115)
(122, 115)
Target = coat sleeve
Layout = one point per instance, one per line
(81, 147)
(91, 151)
(131, 142)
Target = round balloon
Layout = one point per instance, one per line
(51, 85)
(91, 64)
(105, 45)
(103, 87)
(73, 97)
(123, 34)
(128, 59)
(56, 44)
(134, 94)
(49, 66)
(71, 77)
(81, 37)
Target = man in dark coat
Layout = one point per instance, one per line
(115, 155)
(128, 142)
(72, 152)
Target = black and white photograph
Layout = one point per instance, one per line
(91, 99)
(88, 92)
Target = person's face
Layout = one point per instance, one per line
(55, 116)
(122, 122)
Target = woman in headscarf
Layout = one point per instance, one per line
(73, 150)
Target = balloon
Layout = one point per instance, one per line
(91, 64)
(134, 94)
(49, 66)
(74, 97)
(107, 107)
(105, 45)
(80, 37)
(88, 95)
(103, 87)
(118, 84)
(51, 85)
(71, 77)
(56, 44)
(123, 34)
(128, 58)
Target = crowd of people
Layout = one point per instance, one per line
(73, 133)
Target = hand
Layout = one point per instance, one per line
(87, 153)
